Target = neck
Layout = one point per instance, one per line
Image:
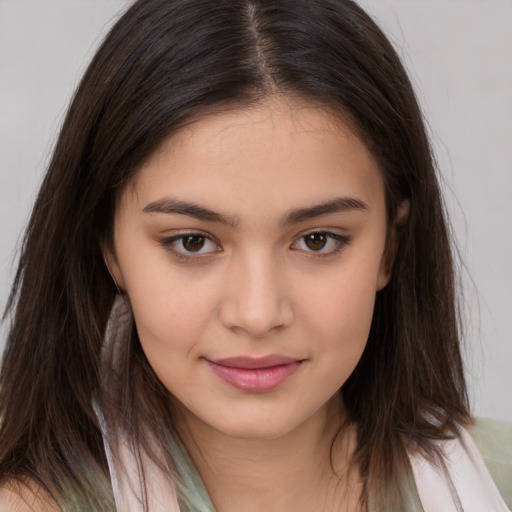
(300, 470)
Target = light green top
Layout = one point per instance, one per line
(494, 440)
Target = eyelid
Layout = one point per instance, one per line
(341, 242)
(167, 241)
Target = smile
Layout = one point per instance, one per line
(255, 374)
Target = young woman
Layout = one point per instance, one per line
(236, 290)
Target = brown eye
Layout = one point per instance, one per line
(191, 246)
(193, 243)
(316, 241)
(323, 243)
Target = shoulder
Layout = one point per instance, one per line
(18, 496)
(494, 441)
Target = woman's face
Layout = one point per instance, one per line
(251, 246)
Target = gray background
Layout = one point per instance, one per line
(459, 54)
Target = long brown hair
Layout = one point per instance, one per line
(164, 63)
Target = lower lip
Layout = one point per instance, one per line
(255, 379)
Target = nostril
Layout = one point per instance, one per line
(257, 323)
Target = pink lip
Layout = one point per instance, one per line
(255, 374)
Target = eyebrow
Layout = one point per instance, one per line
(173, 206)
(338, 205)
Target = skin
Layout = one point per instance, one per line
(25, 496)
(257, 287)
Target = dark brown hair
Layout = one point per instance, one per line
(164, 63)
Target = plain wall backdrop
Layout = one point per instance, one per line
(459, 55)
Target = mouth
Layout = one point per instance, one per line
(255, 374)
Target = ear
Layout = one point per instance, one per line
(389, 255)
(113, 268)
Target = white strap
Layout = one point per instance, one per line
(155, 492)
(464, 485)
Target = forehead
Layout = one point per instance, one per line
(279, 153)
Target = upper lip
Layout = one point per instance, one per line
(250, 363)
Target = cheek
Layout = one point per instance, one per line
(338, 317)
(165, 299)
(171, 322)
(343, 323)
(172, 316)
(171, 309)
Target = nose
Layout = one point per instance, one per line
(257, 300)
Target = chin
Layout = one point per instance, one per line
(261, 432)
(267, 425)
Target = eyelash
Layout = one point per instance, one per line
(168, 243)
(340, 241)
